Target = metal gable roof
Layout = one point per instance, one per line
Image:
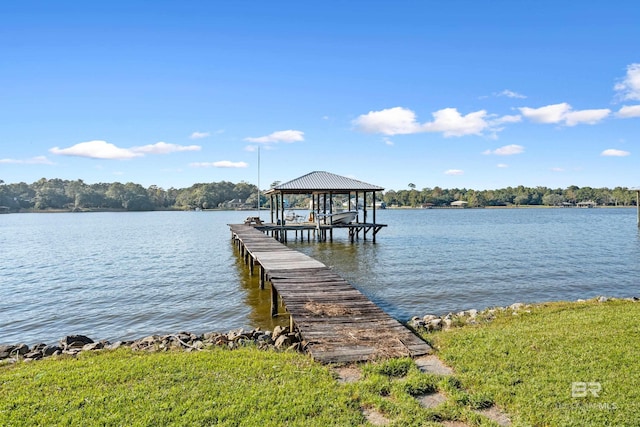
(324, 181)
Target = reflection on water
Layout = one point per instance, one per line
(259, 300)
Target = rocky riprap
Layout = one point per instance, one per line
(432, 322)
(280, 339)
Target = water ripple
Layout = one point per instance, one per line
(127, 275)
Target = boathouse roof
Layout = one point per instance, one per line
(320, 181)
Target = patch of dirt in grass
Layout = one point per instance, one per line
(375, 417)
(454, 424)
(432, 365)
(431, 400)
(348, 374)
(496, 415)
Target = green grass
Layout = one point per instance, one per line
(246, 387)
(528, 363)
(525, 364)
(226, 388)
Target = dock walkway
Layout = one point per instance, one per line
(339, 323)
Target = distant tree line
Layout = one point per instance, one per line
(518, 196)
(55, 194)
(58, 194)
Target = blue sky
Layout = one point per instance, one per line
(453, 94)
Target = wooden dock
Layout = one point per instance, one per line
(339, 323)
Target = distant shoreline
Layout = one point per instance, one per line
(303, 209)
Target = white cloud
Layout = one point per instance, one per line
(220, 164)
(391, 121)
(510, 94)
(451, 123)
(563, 113)
(629, 87)
(557, 169)
(254, 148)
(448, 121)
(615, 153)
(549, 114)
(507, 150)
(589, 117)
(502, 165)
(506, 119)
(96, 150)
(164, 148)
(105, 150)
(454, 172)
(39, 160)
(387, 141)
(287, 136)
(629, 111)
(199, 135)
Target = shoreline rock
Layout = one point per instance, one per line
(432, 322)
(280, 339)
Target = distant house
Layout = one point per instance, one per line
(236, 204)
(589, 204)
(459, 204)
(4, 209)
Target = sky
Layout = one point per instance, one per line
(455, 94)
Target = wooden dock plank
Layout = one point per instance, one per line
(340, 324)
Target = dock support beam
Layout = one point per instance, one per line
(274, 301)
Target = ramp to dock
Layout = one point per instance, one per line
(339, 323)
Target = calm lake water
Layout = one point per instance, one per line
(127, 275)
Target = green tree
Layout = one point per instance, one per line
(50, 194)
(136, 198)
(552, 199)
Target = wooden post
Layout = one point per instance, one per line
(274, 301)
(261, 277)
(374, 216)
(271, 208)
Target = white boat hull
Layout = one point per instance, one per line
(342, 217)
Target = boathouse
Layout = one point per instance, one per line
(322, 187)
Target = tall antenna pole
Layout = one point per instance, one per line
(258, 181)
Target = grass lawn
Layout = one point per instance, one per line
(561, 364)
(246, 387)
(219, 387)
